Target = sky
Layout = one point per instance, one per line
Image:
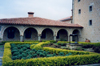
(50, 9)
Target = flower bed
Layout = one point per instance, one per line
(73, 58)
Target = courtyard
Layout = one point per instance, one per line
(33, 53)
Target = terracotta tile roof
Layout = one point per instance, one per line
(36, 21)
(66, 19)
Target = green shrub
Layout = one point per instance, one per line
(70, 53)
(31, 51)
(13, 45)
(14, 48)
(54, 54)
(61, 54)
(19, 47)
(23, 58)
(34, 55)
(41, 55)
(74, 52)
(24, 54)
(89, 43)
(27, 50)
(21, 51)
(32, 46)
(45, 53)
(16, 53)
(7, 45)
(24, 48)
(20, 56)
(38, 53)
(28, 57)
(62, 42)
(49, 55)
(74, 59)
(48, 52)
(14, 57)
(51, 41)
(40, 45)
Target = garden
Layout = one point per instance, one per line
(48, 53)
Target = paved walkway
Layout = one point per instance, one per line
(1, 53)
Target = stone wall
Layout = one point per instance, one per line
(39, 29)
(91, 32)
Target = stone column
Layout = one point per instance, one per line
(55, 38)
(39, 37)
(21, 38)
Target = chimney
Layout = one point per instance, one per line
(30, 14)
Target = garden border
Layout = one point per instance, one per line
(91, 58)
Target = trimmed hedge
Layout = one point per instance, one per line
(83, 43)
(7, 54)
(23, 42)
(18, 42)
(89, 43)
(74, 52)
(88, 58)
(57, 61)
(51, 41)
(62, 42)
(39, 46)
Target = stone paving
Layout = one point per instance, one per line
(1, 53)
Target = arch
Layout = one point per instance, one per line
(11, 34)
(47, 34)
(76, 31)
(30, 34)
(62, 34)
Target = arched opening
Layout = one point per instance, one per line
(11, 34)
(30, 34)
(47, 34)
(62, 35)
(74, 38)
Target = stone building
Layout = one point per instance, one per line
(36, 28)
(87, 14)
(85, 22)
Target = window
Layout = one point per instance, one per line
(79, 11)
(90, 8)
(79, 0)
(28, 34)
(90, 22)
(57, 36)
(43, 35)
(11, 33)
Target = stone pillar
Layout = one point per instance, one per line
(21, 38)
(39, 37)
(55, 38)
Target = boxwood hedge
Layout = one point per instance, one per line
(81, 59)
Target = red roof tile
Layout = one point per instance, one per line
(67, 18)
(36, 21)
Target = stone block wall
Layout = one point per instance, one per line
(91, 32)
